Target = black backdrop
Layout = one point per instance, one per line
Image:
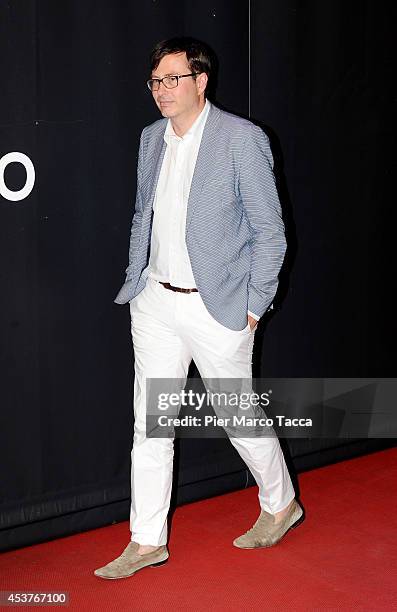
(318, 76)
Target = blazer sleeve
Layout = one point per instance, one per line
(137, 218)
(262, 208)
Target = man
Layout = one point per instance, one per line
(207, 243)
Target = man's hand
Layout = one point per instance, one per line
(253, 322)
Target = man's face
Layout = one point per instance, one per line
(185, 98)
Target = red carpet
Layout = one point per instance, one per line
(343, 556)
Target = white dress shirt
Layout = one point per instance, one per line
(169, 259)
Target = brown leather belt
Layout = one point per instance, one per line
(181, 289)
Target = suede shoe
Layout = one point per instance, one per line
(130, 562)
(266, 533)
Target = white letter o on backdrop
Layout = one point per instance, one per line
(23, 193)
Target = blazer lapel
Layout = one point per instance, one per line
(157, 160)
(205, 163)
(206, 160)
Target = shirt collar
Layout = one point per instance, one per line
(194, 128)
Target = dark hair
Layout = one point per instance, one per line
(200, 57)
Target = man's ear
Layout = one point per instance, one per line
(202, 81)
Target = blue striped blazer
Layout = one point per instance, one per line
(234, 229)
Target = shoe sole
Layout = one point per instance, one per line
(134, 572)
(293, 526)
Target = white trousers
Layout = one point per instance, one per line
(169, 329)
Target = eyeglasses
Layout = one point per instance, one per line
(168, 81)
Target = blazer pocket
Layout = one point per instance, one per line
(239, 267)
(216, 185)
